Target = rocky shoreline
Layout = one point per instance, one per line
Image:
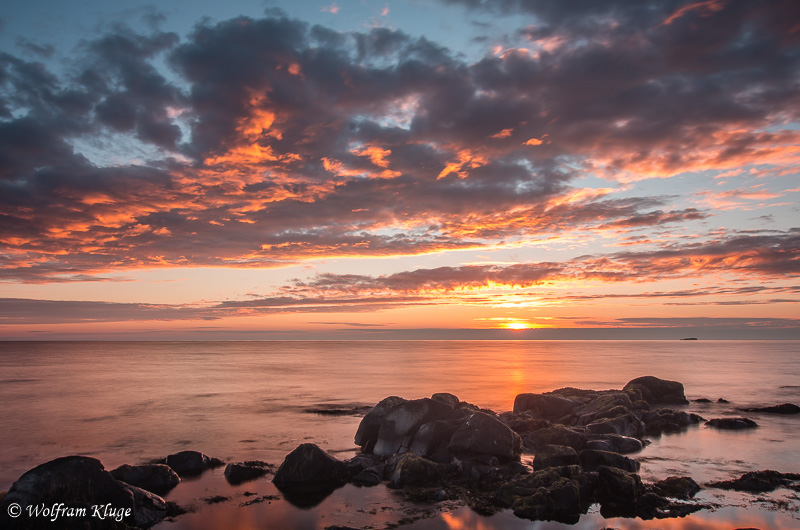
(429, 450)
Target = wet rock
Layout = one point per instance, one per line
(191, 463)
(618, 491)
(655, 390)
(722, 400)
(606, 405)
(524, 423)
(662, 421)
(617, 443)
(626, 425)
(309, 466)
(555, 435)
(239, 472)
(683, 488)
(785, 408)
(369, 477)
(400, 424)
(734, 424)
(447, 398)
(546, 406)
(367, 433)
(80, 482)
(432, 440)
(760, 481)
(557, 493)
(413, 469)
(560, 502)
(600, 445)
(333, 409)
(592, 460)
(483, 434)
(555, 456)
(702, 400)
(158, 478)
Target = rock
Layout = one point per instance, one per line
(600, 445)
(555, 456)
(523, 423)
(785, 408)
(400, 424)
(238, 472)
(604, 406)
(369, 477)
(545, 406)
(367, 433)
(309, 466)
(592, 460)
(760, 481)
(683, 488)
(158, 478)
(626, 425)
(79, 482)
(722, 400)
(702, 400)
(561, 502)
(618, 491)
(655, 390)
(662, 421)
(555, 435)
(191, 463)
(447, 398)
(432, 440)
(619, 444)
(483, 434)
(413, 469)
(556, 493)
(734, 424)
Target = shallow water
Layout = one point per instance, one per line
(130, 402)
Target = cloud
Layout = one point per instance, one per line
(271, 141)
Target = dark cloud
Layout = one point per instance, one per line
(302, 142)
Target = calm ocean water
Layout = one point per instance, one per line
(130, 402)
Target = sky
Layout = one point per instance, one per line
(395, 169)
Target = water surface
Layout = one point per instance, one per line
(130, 402)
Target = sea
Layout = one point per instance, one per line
(134, 402)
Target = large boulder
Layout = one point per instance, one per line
(191, 463)
(432, 440)
(71, 487)
(483, 434)
(309, 466)
(400, 424)
(654, 390)
(158, 478)
(367, 433)
(545, 406)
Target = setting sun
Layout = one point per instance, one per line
(517, 325)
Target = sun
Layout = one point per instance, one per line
(517, 325)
